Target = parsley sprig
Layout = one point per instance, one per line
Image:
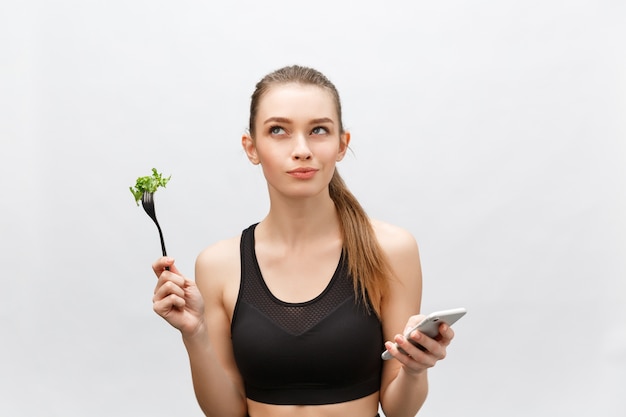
(149, 183)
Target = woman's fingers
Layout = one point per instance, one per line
(416, 357)
(401, 357)
(165, 305)
(167, 287)
(169, 298)
(431, 346)
(164, 263)
(446, 334)
(169, 276)
(176, 298)
(419, 351)
(169, 292)
(422, 352)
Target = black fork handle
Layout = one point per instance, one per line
(167, 268)
(149, 209)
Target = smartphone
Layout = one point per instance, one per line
(430, 326)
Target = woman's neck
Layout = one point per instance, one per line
(294, 222)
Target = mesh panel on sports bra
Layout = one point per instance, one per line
(294, 318)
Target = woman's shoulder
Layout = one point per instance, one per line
(405, 289)
(218, 261)
(393, 238)
(220, 250)
(401, 250)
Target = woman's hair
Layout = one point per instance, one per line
(366, 262)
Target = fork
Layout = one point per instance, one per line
(147, 201)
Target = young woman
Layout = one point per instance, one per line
(290, 317)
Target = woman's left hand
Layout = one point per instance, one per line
(416, 360)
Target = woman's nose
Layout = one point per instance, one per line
(301, 148)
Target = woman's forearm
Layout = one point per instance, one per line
(405, 395)
(215, 390)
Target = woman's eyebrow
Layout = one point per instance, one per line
(323, 120)
(286, 120)
(277, 120)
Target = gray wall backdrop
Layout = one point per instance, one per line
(493, 130)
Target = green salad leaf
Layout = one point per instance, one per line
(149, 184)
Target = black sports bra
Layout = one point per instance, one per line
(323, 351)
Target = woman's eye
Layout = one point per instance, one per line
(319, 130)
(277, 130)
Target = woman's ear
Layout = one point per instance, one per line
(344, 142)
(250, 149)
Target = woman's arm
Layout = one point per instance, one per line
(404, 384)
(205, 329)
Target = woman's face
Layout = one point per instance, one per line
(297, 139)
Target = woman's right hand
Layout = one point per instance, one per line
(177, 298)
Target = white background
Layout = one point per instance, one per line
(493, 130)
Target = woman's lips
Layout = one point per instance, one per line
(303, 173)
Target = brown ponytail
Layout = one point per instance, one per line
(366, 261)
